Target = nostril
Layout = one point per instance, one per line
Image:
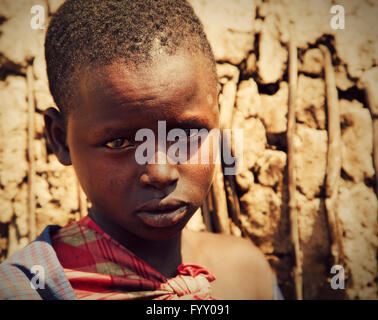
(158, 184)
(159, 176)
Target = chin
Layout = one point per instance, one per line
(161, 234)
(158, 235)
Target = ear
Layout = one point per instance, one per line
(56, 134)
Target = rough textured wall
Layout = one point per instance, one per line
(250, 42)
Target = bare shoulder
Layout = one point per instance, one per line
(241, 269)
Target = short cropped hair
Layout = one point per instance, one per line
(85, 33)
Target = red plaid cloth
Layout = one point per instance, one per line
(99, 268)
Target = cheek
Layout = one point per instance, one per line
(101, 176)
(201, 166)
(105, 178)
(198, 179)
(118, 181)
(111, 189)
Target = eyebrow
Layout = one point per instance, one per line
(192, 121)
(116, 128)
(108, 131)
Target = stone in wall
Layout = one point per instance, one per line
(310, 159)
(6, 210)
(18, 21)
(42, 95)
(43, 194)
(226, 104)
(229, 27)
(375, 132)
(251, 66)
(254, 138)
(271, 168)
(273, 111)
(13, 130)
(63, 186)
(39, 124)
(248, 100)
(357, 211)
(311, 19)
(314, 244)
(7, 196)
(227, 72)
(272, 56)
(312, 62)
(310, 107)
(57, 193)
(40, 154)
(343, 81)
(369, 82)
(244, 180)
(13, 244)
(357, 44)
(10, 190)
(357, 140)
(39, 67)
(261, 212)
(20, 208)
(53, 214)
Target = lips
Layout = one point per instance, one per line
(161, 214)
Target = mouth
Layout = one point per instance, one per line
(161, 214)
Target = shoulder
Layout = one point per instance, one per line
(35, 263)
(241, 269)
(15, 278)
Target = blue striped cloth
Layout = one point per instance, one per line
(16, 273)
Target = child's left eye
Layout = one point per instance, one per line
(119, 143)
(190, 133)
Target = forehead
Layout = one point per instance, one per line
(165, 88)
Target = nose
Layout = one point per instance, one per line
(159, 175)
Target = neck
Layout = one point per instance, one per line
(163, 255)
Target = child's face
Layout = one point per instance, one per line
(115, 102)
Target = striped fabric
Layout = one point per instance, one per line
(99, 268)
(113, 273)
(16, 272)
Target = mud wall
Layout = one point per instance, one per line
(250, 40)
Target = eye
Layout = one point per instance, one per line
(191, 133)
(119, 143)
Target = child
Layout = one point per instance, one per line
(115, 68)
